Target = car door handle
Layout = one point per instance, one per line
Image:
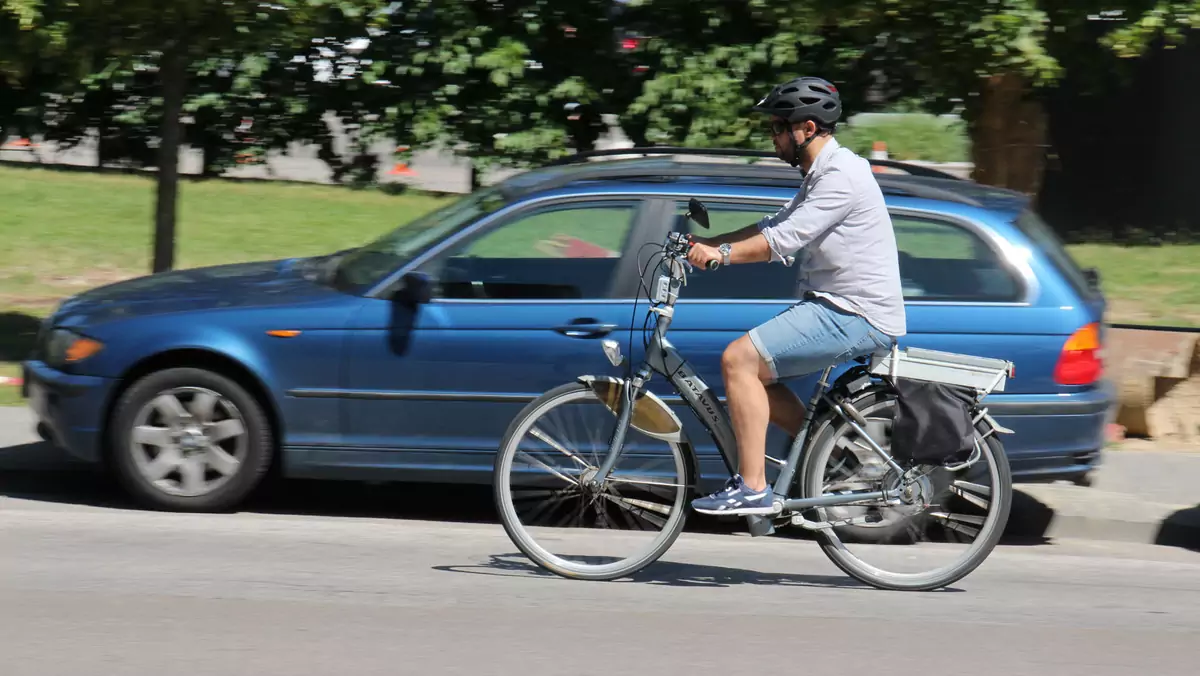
(585, 328)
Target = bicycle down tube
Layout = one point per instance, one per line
(663, 358)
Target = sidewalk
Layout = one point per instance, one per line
(1147, 497)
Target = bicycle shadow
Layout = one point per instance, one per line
(670, 574)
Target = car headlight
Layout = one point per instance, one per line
(64, 346)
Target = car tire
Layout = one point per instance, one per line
(159, 448)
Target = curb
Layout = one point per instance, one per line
(1073, 512)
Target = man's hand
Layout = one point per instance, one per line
(701, 254)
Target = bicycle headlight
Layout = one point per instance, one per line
(64, 346)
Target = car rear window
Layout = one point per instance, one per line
(1042, 236)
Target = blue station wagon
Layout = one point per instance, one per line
(406, 358)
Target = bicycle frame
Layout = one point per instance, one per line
(664, 359)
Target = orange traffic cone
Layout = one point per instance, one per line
(402, 168)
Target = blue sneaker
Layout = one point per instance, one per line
(737, 499)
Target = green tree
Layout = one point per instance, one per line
(508, 83)
(709, 62)
(110, 38)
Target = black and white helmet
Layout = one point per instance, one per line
(801, 99)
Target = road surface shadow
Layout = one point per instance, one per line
(666, 573)
(40, 472)
(43, 473)
(1181, 529)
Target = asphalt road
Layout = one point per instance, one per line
(88, 589)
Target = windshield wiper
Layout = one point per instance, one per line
(321, 269)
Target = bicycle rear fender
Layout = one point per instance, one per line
(651, 416)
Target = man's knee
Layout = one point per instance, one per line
(742, 357)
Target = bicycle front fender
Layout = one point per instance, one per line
(651, 416)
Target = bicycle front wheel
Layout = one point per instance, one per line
(548, 456)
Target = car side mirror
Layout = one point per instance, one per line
(416, 288)
(698, 212)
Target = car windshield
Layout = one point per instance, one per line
(366, 266)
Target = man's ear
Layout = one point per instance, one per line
(806, 128)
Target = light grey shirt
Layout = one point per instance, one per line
(840, 226)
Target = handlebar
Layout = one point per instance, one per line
(678, 246)
(671, 277)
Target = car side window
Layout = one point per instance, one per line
(560, 251)
(943, 261)
(750, 281)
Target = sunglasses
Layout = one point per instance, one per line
(778, 127)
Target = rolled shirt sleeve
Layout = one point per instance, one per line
(825, 204)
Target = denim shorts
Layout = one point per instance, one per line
(812, 335)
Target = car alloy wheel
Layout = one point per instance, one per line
(189, 441)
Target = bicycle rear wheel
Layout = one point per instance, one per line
(917, 547)
(549, 452)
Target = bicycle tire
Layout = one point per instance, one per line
(831, 544)
(501, 488)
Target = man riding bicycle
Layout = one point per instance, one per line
(851, 299)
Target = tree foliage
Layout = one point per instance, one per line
(516, 82)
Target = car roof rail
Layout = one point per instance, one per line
(665, 170)
(576, 158)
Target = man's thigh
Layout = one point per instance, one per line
(811, 335)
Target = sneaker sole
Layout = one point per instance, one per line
(743, 511)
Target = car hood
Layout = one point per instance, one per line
(278, 282)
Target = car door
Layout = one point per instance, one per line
(520, 304)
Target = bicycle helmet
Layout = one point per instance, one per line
(804, 98)
(801, 99)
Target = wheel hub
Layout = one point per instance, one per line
(918, 490)
(192, 440)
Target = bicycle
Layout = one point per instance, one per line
(837, 429)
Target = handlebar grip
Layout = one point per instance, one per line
(712, 265)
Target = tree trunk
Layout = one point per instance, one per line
(1008, 138)
(172, 71)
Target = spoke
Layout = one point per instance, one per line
(202, 406)
(558, 447)
(191, 472)
(171, 410)
(226, 429)
(971, 492)
(167, 460)
(222, 462)
(548, 505)
(642, 482)
(152, 436)
(573, 515)
(548, 468)
(536, 493)
(643, 504)
(630, 508)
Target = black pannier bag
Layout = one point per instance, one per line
(932, 424)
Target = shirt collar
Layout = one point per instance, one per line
(827, 151)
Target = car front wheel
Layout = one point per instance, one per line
(187, 439)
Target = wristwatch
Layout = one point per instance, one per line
(725, 250)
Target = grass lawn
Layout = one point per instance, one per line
(1147, 285)
(66, 231)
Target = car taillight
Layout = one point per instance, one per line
(1080, 363)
